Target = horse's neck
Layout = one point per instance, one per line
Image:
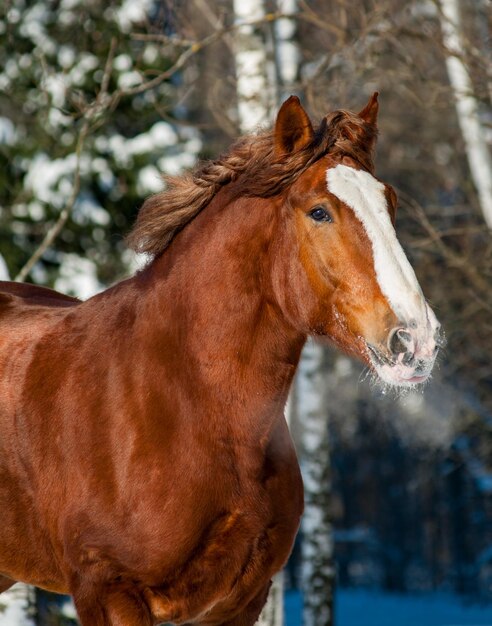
(208, 295)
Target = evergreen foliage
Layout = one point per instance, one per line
(55, 57)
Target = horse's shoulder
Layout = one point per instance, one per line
(25, 294)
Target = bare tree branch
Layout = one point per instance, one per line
(98, 105)
(452, 258)
(57, 227)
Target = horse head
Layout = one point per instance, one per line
(348, 278)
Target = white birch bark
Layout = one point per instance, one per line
(254, 100)
(477, 151)
(273, 611)
(312, 418)
(254, 94)
(4, 272)
(317, 545)
(286, 47)
(14, 606)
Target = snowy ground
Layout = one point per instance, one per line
(357, 608)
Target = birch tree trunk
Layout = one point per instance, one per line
(255, 99)
(15, 605)
(287, 55)
(474, 136)
(317, 546)
(4, 272)
(254, 94)
(273, 612)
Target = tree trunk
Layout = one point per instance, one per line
(310, 403)
(15, 606)
(474, 136)
(254, 102)
(273, 612)
(4, 272)
(317, 547)
(287, 54)
(254, 94)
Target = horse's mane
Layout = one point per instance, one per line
(252, 162)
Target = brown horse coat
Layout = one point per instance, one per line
(145, 463)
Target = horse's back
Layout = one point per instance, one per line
(27, 310)
(32, 295)
(27, 313)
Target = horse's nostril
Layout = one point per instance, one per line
(400, 342)
(405, 337)
(408, 358)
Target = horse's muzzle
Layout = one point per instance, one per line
(409, 356)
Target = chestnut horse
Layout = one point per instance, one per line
(146, 467)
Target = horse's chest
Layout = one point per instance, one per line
(236, 555)
(232, 565)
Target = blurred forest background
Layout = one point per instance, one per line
(97, 98)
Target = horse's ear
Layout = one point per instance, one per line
(369, 132)
(293, 128)
(370, 112)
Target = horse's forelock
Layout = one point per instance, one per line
(353, 137)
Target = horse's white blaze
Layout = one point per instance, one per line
(366, 197)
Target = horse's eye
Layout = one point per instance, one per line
(320, 214)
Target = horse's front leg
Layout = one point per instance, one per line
(112, 607)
